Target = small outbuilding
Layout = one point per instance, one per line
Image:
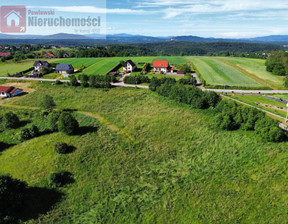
(9, 91)
(180, 72)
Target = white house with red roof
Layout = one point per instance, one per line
(161, 66)
(9, 91)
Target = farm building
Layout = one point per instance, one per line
(38, 65)
(180, 72)
(129, 66)
(65, 69)
(48, 55)
(4, 54)
(9, 91)
(161, 66)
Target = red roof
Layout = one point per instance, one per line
(161, 64)
(7, 89)
(49, 54)
(3, 54)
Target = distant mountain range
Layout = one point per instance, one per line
(128, 38)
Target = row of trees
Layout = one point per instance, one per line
(94, 81)
(185, 94)
(277, 63)
(232, 116)
(136, 79)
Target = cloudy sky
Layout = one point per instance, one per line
(207, 18)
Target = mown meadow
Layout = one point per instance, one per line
(171, 166)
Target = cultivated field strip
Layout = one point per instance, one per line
(219, 73)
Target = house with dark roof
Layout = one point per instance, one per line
(48, 55)
(38, 65)
(65, 69)
(9, 91)
(161, 66)
(129, 66)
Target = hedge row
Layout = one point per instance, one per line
(232, 116)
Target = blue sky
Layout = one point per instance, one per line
(207, 18)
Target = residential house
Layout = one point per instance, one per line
(161, 66)
(129, 66)
(38, 65)
(65, 69)
(5, 54)
(56, 47)
(65, 55)
(9, 91)
(48, 55)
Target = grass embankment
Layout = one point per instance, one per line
(181, 170)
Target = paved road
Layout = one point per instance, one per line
(146, 87)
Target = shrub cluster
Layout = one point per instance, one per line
(94, 81)
(146, 68)
(10, 121)
(136, 79)
(67, 123)
(61, 148)
(189, 95)
(28, 133)
(232, 116)
(277, 63)
(59, 179)
(155, 82)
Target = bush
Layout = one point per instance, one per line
(67, 123)
(73, 80)
(48, 103)
(59, 179)
(12, 194)
(268, 129)
(52, 120)
(10, 121)
(28, 133)
(61, 148)
(136, 79)
(84, 81)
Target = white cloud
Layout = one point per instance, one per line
(92, 9)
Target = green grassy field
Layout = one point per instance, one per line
(218, 73)
(257, 67)
(174, 168)
(78, 62)
(12, 68)
(252, 100)
(102, 67)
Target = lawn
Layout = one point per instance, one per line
(78, 62)
(257, 67)
(252, 100)
(12, 67)
(217, 73)
(176, 167)
(102, 67)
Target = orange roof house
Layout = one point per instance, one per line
(48, 55)
(161, 66)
